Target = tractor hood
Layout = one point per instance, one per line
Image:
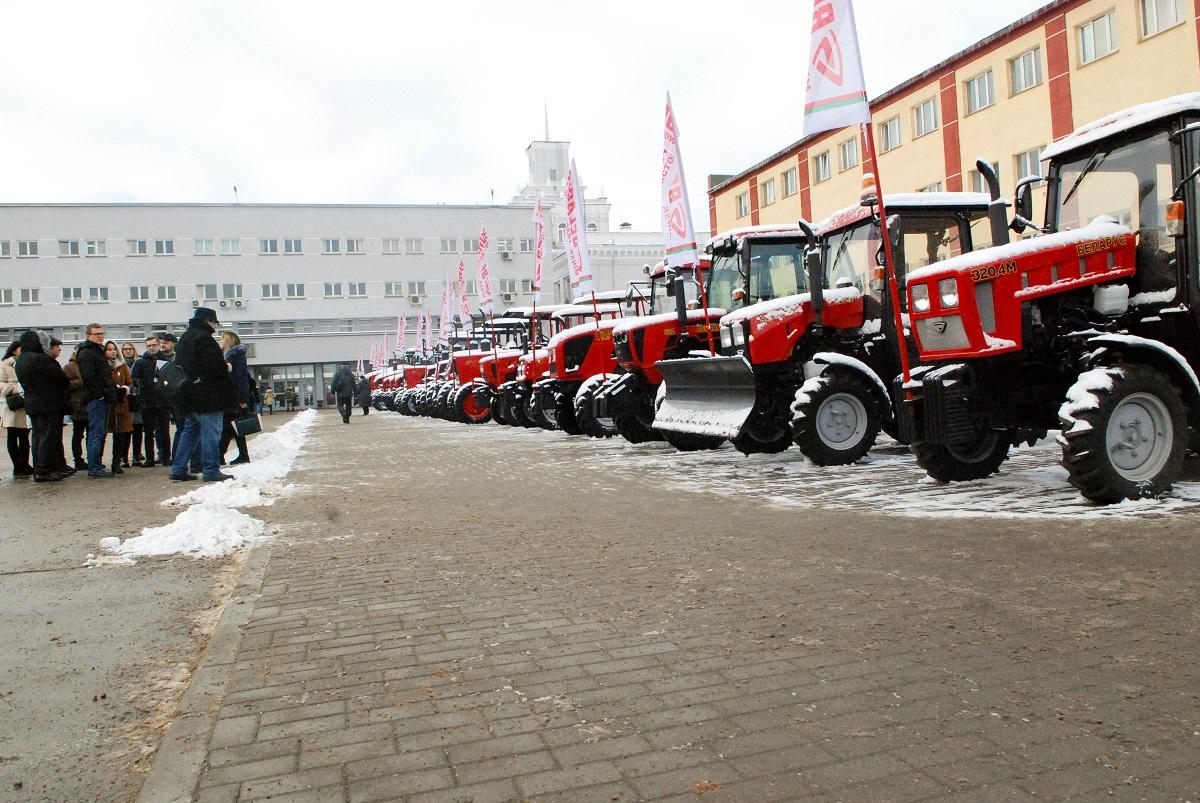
(774, 326)
(646, 321)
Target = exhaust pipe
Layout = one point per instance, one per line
(997, 208)
(816, 276)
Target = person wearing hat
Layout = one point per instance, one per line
(202, 398)
(166, 354)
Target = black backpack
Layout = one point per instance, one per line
(171, 380)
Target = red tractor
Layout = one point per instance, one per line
(490, 339)
(803, 368)
(501, 374)
(1091, 328)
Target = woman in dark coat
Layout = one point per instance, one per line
(239, 396)
(45, 387)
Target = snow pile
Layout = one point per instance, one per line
(203, 531)
(787, 306)
(1155, 297)
(1082, 395)
(627, 325)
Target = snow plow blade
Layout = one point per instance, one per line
(705, 395)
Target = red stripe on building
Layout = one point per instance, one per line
(712, 214)
(951, 145)
(1058, 67)
(1198, 28)
(806, 188)
(754, 200)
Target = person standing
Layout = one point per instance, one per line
(168, 411)
(45, 387)
(120, 419)
(143, 373)
(202, 398)
(268, 399)
(78, 413)
(130, 355)
(364, 394)
(343, 389)
(98, 394)
(12, 412)
(239, 396)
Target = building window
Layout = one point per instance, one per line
(95, 248)
(393, 289)
(6, 296)
(97, 295)
(333, 289)
(889, 134)
(331, 246)
(527, 286)
(270, 291)
(139, 293)
(767, 191)
(592, 227)
(416, 288)
(357, 289)
(414, 245)
(981, 92)
(978, 184)
(821, 167)
(506, 285)
(206, 292)
(934, 187)
(27, 248)
(165, 292)
(469, 287)
(1025, 71)
(508, 244)
(295, 290)
(5, 249)
(743, 204)
(471, 244)
(346, 326)
(203, 247)
(562, 235)
(1098, 37)
(31, 295)
(287, 327)
(72, 295)
(791, 184)
(68, 248)
(293, 246)
(268, 246)
(231, 247)
(449, 245)
(848, 154)
(231, 291)
(525, 245)
(1158, 15)
(164, 248)
(354, 245)
(925, 118)
(1029, 164)
(391, 245)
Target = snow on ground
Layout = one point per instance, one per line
(888, 481)
(211, 525)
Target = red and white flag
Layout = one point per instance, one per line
(422, 343)
(577, 248)
(485, 275)
(539, 249)
(837, 92)
(677, 228)
(446, 323)
(464, 306)
(401, 342)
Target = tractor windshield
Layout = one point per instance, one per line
(1131, 183)
(776, 269)
(721, 282)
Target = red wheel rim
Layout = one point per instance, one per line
(474, 410)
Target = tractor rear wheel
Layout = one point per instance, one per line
(761, 435)
(586, 419)
(1133, 443)
(470, 410)
(836, 420)
(963, 463)
(689, 442)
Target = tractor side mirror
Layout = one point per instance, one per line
(671, 289)
(1023, 206)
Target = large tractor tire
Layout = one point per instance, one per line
(468, 409)
(516, 408)
(963, 463)
(585, 416)
(761, 435)
(636, 423)
(536, 416)
(689, 442)
(443, 405)
(501, 410)
(562, 414)
(1133, 443)
(836, 419)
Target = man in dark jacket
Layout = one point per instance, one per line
(202, 399)
(145, 374)
(45, 387)
(364, 394)
(97, 393)
(343, 389)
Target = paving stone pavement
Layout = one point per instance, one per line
(459, 613)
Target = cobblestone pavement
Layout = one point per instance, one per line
(476, 613)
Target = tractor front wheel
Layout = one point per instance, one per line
(1132, 443)
(564, 414)
(690, 442)
(538, 417)
(962, 463)
(470, 410)
(585, 417)
(761, 435)
(836, 420)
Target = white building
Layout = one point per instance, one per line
(306, 286)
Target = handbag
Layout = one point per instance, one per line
(247, 425)
(15, 401)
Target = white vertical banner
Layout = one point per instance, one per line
(360, 363)
(401, 341)
(446, 324)
(837, 92)
(679, 236)
(464, 306)
(485, 274)
(577, 248)
(422, 341)
(539, 249)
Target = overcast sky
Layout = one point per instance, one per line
(399, 102)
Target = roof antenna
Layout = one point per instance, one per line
(235, 196)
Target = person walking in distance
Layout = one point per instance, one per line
(120, 420)
(343, 389)
(364, 394)
(238, 403)
(45, 387)
(202, 398)
(268, 400)
(98, 394)
(12, 412)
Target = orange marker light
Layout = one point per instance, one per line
(1175, 216)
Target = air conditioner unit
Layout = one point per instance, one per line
(195, 303)
(414, 300)
(240, 302)
(224, 303)
(508, 298)
(506, 256)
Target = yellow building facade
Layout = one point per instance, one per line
(1002, 100)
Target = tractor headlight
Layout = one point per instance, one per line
(920, 297)
(948, 290)
(737, 334)
(726, 337)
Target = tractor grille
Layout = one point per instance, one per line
(575, 351)
(947, 412)
(639, 342)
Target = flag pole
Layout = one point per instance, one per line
(893, 284)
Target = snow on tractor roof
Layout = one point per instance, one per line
(525, 312)
(1100, 228)
(571, 310)
(629, 324)
(604, 295)
(1123, 120)
(500, 354)
(900, 201)
(583, 328)
(787, 306)
(764, 230)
